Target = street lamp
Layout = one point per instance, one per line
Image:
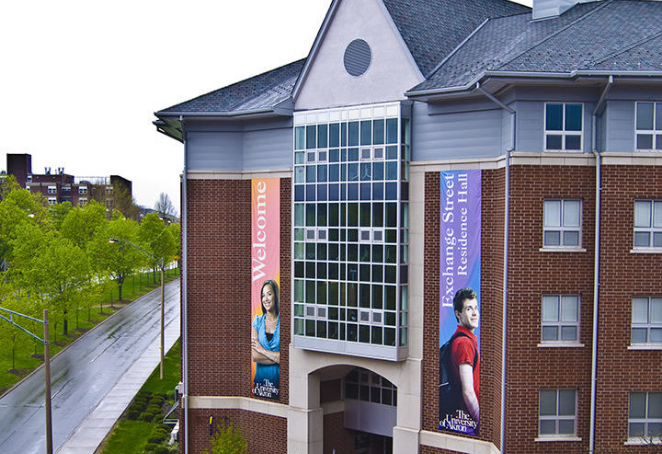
(47, 367)
(161, 262)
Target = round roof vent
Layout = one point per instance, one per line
(357, 57)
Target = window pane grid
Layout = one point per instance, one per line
(349, 236)
(645, 416)
(648, 223)
(646, 320)
(648, 126)
(562, 221)
(557, 414)
(563, 127)
(560, 318)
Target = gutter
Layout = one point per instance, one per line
(226, 114)
(596, 266)
(506, 234)
(185, 290)
(530, 75)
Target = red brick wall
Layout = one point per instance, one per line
(219, 289)
(623, 276)
(264, 434)
(491, 315)
(531, 274)
(336, 436)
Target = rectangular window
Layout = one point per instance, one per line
(52, 189)
(558, 413)
(648, 223)
(563, 126)
(52, 200)
(648, 126)
(647, 320)
(645, 417)
(560, 318)
(82, 189)
(562, 224)
(82, 201)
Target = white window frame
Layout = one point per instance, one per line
(653, 227)
(82, 189)
(646, 420)
(655, 133)
(82, 201)
(649, 324)
(558, 323)
(52, 200)
(562, 228)
(52, 189)
(563, 133)
(556, 417)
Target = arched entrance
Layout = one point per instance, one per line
(360, 411)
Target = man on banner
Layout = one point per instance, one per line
(460, 356)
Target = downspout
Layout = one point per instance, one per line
(505, 261)
(185, 288)
(596, 266)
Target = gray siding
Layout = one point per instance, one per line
(214, 150)
(456, 135)
(239, 146)
(620, 126)
(268, 149)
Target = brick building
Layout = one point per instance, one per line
(57, 186)
(423, 146)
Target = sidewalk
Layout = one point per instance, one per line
(92, 431)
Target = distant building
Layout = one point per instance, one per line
(58, 186)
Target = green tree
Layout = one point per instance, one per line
(118, 260)
(53, 267)
(19, 207)
(81, 224)
(157, 239)
(227, 440)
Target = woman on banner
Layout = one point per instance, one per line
(265, 342)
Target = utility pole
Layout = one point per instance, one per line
(47, 366)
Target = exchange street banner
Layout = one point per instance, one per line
(265, 288)
(460, 240)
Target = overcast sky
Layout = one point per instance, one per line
(80, 79)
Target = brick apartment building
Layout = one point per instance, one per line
(57, 186)
(423, 146)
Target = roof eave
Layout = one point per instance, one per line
(432, 93)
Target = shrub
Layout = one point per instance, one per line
(147, 416)
(150, 447)
(132, 415)
(158, 439)
(161, 450)
(227, 440)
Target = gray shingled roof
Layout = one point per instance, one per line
(260, 93)
(433, 28)
(614, 35)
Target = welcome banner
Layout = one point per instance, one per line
(460, 239)
(265, 288)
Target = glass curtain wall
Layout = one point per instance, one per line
(351, 231)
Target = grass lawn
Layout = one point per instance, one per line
(24, 354)
(132, 435)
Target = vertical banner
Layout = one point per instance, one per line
(459, 267)
(265, 287)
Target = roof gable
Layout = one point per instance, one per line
(327, 80)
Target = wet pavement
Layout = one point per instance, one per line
(92, 380)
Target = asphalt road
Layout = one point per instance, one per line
(82, 374)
